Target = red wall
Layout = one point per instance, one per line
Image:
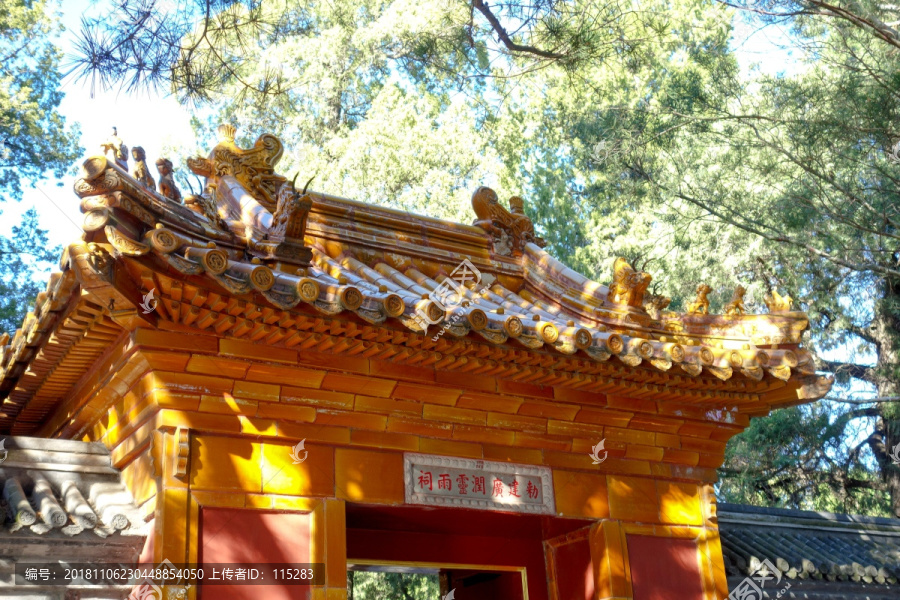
(664, 568)
(574, 570)
(486, 586)
(250, 536)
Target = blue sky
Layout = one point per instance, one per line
(155, 121)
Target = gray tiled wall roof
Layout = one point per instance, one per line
(824, 555)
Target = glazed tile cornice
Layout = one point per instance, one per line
(358, 283)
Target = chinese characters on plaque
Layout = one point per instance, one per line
(469, 483)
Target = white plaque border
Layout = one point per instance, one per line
(431, 460)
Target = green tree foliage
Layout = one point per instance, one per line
(804, 167)
(197, 47)
(798, 457)
(25, 258)
(364, 585)
(565, 135)
(413, 104)
(412, 151)
(33, 137)
(379, 119)
(629, 132)
(34, 141)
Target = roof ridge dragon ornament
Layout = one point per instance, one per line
(628, 285)
(281, 238)
(291, 210)
(254, 168)
(509, 229)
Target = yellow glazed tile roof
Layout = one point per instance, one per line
(253, 258)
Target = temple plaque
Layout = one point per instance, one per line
(482, 484)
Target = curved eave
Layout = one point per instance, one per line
(380, 292)
(365, 278)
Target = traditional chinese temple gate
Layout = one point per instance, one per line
(291, 377)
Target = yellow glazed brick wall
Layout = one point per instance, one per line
(246, 405)
(268, 399)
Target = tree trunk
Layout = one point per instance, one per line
(887, 437)
(886, 331)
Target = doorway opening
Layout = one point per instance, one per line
(423, 581)
(491, 555)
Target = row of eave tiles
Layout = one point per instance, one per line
(802, 554)
(104, 510)
(495, 313)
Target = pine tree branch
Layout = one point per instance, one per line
(9, 57)
(767, 233)
(504, 36)
(831, 180)
(853, 455)
(862, 401)
(876, 443)
(860, 332)
(852, 483)
(879, 29)
(861, 372)
(862, 412)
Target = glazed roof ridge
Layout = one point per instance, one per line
(764, 514)
(283, 252)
